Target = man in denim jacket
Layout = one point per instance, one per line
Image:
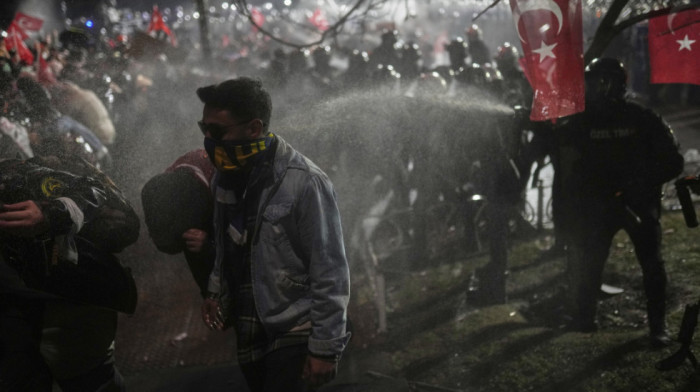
(280, 277)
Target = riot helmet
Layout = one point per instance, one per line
(390, 37)
(606, 80)
(411, 52)
(473, 33)
(507, 58)
(409, 66)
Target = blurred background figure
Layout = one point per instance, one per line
(410, 65)
(386, 53)
(479, 53)
(515, 87)
(358, 71)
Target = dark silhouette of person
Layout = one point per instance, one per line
(358, 72)
(457, 52)
(614, 158)
(409, 66)
(60, 284)
(479, 53)
(386, 53)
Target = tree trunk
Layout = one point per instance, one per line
(204, 29)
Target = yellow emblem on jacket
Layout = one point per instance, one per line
(50, 185)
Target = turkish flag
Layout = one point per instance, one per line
(15, 41)
(551, 36)
(27, 22)
(157, 24)
(674, 48)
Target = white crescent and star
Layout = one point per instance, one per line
(669, 20)
(685, 43)
(546, 51)
(24, 23)
(536, 5)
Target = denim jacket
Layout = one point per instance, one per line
(300, 273)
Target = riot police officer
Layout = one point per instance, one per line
(386, 53)
(410, 65)
(457, 51)
(614, 160)
(323, 74)
(479, 53)
(516, 89)
(357, 73)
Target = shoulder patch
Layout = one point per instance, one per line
(50, 185)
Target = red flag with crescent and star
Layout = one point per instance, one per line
(17, 33)
(674, 47)
(551, 36)
(28, 22)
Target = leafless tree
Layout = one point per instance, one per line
(359, 11)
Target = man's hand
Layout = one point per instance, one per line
(23, 219)
(194, 240)
(318, 371)
(211, 314)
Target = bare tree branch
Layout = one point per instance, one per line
(653, 14)
(485, 9)
(608, 29)
(332, 31)
(603, 34)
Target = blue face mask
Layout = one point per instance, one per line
(229, 155)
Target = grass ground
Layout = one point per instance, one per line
(436, 339)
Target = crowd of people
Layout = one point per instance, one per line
(263, 236)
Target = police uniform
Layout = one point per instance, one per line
(614, 159)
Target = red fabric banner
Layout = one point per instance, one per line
(157, 24)
(15, 41)
(551, 36)
(28, 22)
(258, 18)
(319, 20)
(674, 48)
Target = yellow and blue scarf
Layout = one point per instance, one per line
(229, 155)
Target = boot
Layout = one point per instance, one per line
(658, 331)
